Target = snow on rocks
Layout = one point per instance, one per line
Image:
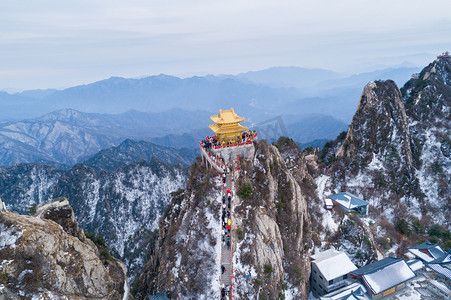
(9, 236)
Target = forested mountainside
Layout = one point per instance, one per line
(123, 205)
(396, 155)
(132, 151)
(47, 256)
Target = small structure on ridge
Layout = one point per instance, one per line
(349, 202)
(2, 206)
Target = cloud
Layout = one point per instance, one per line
(104, 38)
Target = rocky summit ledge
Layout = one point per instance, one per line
(42, 258)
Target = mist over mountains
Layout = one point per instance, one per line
(63, 127)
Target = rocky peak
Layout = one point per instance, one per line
(439, 70)
(41, 260)
(428, 97)
(275, 225)
(59, 211)
(397, 156)
(379, 125)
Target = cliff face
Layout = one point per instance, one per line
(428, 106)
(275, 230)
(185, 260)
(397, 156)
(271, 235)
(42, 258)
(375, 160)
(379, 126)
(397, 151)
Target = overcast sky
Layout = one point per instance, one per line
(61, 43)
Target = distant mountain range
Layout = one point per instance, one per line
(66, 137)
(261, 93)
(67, 126)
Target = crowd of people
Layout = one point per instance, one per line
(248, 135)
(225, 292)
(226, 219)
(212, 141)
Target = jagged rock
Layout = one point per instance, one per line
(276, 229)
(61, 212)
(396, 155)
(40, 259)
(379, 124)
(274, 225)
(428, 107)
(184, 260)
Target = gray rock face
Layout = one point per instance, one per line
(270, 235)
(40, 259)
(275, 227)
(379, 124)
(397, 156)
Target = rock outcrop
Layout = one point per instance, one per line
(271, 235)
(48, 256)
(274, 229)
(184, 260)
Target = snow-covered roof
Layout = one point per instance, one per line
(441, 286)
(427, 251)
(348, 200)
(328, 202)
(422, 255)
(415, 264)
(444, 270)
(353, 291)
(444, 259)
(332, 263)
(384, 274)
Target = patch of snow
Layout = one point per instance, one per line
(292, 292)
(126, 290)
(327, 221)
(9, 236)
(48, 296)
(23, 274)
(376, 164)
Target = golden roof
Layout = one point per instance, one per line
(227, 129)
(226, 117)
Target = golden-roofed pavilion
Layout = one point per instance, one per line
(227, 128)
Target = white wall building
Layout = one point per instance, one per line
(329, 271)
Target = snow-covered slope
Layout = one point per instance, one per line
(123, 205)
(397, 156)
